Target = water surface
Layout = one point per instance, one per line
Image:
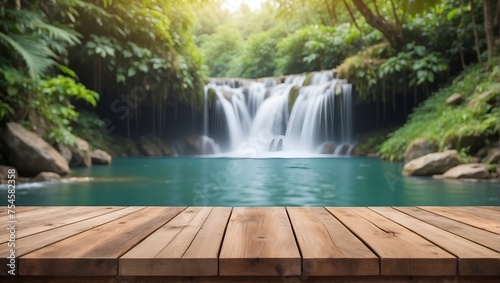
(254, 182)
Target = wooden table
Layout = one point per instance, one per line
(253, 244)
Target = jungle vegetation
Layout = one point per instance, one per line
(142, 60)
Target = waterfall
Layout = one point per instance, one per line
(268, 115)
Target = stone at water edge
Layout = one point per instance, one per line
(30, 153)
(100, 157)
(327, 148)
(47, 177)
(493, 156)
(432, 164)
(418, 148)
(80, 154)
(454, 99)
(468, 171)
(65, 152)
(149, 147)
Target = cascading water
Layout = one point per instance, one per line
(255, 117)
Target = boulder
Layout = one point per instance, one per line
(47, 177)
(454, 99)
(432, 164)
(149, 147)
(100, 157)
(65, 152)
(473, 142)
(327, 148)
(490, 97)
(80, 154)
(4, 173)
(493, 156)
(30, 153)
(195, 145)
(418, 148)
(468, 171)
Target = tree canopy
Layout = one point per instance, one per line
(137, 61)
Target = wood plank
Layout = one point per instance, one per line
(480, 236)
(401, 251)
(465, 217)
(328, 247)
(18, 209)
(491, 214)
(474, 259)
(186, 246)
(34, 242)
(340, 279)
(259, 241)
(32, 217)
(494, 208)
(72, 215)
(96, 251)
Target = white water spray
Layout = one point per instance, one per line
(281, 117)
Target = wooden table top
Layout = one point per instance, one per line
(254, 241)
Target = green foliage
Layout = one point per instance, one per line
(364, 69)
(53, 103)
(220, 48)
(29, 41)
(143, 41)
(377, 66)
(445, 124)
(259, 54)
(317, 48)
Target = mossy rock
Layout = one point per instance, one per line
(130, 147)
(211, 97)
(308, 79)
(149, 146)
(292, 96)
(165, 148)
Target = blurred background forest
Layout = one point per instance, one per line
(106, 68)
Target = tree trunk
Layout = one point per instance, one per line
(488, 28)
(390, 33)
(353, 18)
(476, 36)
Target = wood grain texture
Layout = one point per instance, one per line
(96, 251)
(480, 236)
(466, 217)
(71, 215)
(401, 251)
(473, 258)
(215, 244)
(484, 212)
(186, 246)
(328, 247)
(259, 241)
(32, 218)
(34, 242)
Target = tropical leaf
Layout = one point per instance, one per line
(66, 34)
(36, 56)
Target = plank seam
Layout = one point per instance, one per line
(65, 238)
(222, 240)
(423, 236)
(197, 232)
(361, 239)
(453, 232)
(63, 225)
(146, 236)
(296, 242)
(455, 213)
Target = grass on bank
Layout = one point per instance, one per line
(477, 116)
